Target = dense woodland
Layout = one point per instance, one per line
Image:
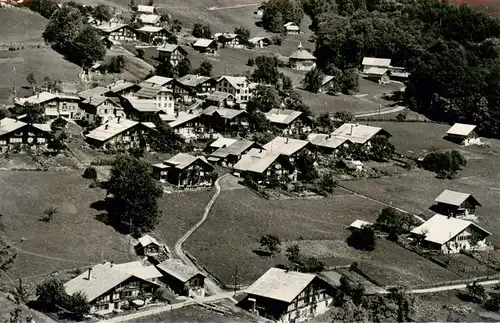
(452, 52)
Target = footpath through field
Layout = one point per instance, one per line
(211, 285)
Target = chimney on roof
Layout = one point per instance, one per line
(111, 264)
(89, 274)
(106, 127)
(176, 114)
(329, 136)
(118, 119)
(260, 149)
(350, 131)
(287, 140)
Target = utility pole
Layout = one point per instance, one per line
(236, 280)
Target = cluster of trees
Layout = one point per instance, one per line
(133, 205)
(477, 293)
(452, 52)
(68, 29)
(115, 64)
(343, 81)
(52, 296)
(362, 239)
(278, 12)
(355, 306)
(184, 67)
(202, 31)
(394, 222)
(303, 264)
(445, 164)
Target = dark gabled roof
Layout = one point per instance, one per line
(236, 149)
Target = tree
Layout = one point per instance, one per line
(165, 140)
(140, 53)
(275, 11)
(445, 164)
(293, 254)
(328, 182)
(52, 85)
(349, 81)
(201, 31)
(271, 243)
(58, 124)
(313, 80)
(51, 293)
(243, 35)
(176, 26)
(90, 173)
(49, 214)
(78, 304)
(32, 82)
(312, 265)
(305, 166)
(381, 149)
(287, 82)
(476, 292)
(87, 47)
(393, 222)
(57, 143)
(266, 70)
(115, 64)
(493, 301)
(205, 69)
(183, 68)
(166, 69)
(102, 13)
(264, 99)
(134, 195)
(362, 239)
(47, 7)
(343, 116)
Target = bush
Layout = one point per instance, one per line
(445, 164)
(277, 40)
(140, 53)
(58, 124)
(362, 239)
(250, 62)
(90, 173)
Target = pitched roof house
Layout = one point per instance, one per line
(120, 133)
(450, 235)
(225, 120)
(188, 125)
(302, 60)
(207, 46)
(54, 104)
(286, 146)
(288, 296)
(185, 170)
(220, 99)
(377, 68)
(146, 9)
(150, 19)
(359, 134)
(463, 134)
(17, 133)
(147, 245)
(190, 85)
(328, 144)
(239, 86)
(291, 28)
(261, 164)
(456, 204)
(230, 154)
(260, 42)
(182, 279)
(117, 31)
(108, 289)
(106, 108)
(289, 121)
(172, 53)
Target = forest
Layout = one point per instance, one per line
(452, 52)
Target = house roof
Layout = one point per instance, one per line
(461, 129)
(145, 9)
(302, 54)
(235, 81)
(219, 96)
(182, 118)
(110, 27)
(98, 100)
(256, 160)
(119, 85)
(8, 125)
(166, 117)
(137, 269)
(331, 276)
(280, 284)
(158, 80)
(149, 18)
(103, 278)
(146, 240)
(441, 228)
(143, 105)
(352, 164)
(203, 42)
(193, 80)
(42, 126)
(255, 40)
(177, 269)
(455, 198)
(283, 116)
(236, 149)
(149, 91)
(111, 129)
(375, 70)
(150, 29)
(45, 96)
(326, 140)
(221, 142)
(171, 47)
(96, 91)
(183, 160)
(358, 224)
(375, 61)
(285, 146)
(224, 113)
(357, 133)
(327, 79)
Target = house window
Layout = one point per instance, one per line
(65, 107)
(31, 134)
(3, 142)
(40, 140)
(16, 140)
(18, 134)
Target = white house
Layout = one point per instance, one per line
(163, 96)
(291, 28)
(450, 235)
(150, 19)
(464, 134)
(377, 68)
(260, 42)
(359, 134)
(188, 125)
(104, 107)
(55, 104)
(149, 10)
(239, 86)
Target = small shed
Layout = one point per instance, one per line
(359, 224)
(463, 134)
(352, 165)
(148, 245)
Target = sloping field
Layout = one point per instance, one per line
(20, 26)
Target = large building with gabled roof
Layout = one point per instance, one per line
(185, 170)
(302, 60)
(463, 134)
(456, 204)
(289, 296)
(261, 165)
